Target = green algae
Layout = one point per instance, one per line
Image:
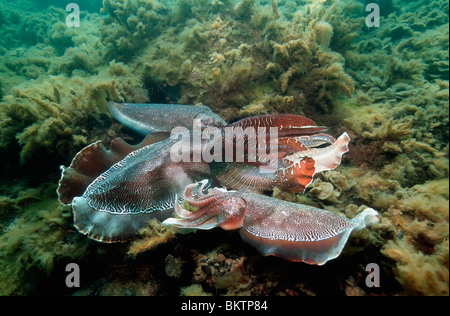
(39, 236)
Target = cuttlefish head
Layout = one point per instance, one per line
(216, 208)
(207, 119)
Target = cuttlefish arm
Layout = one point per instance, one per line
(292, 231)
(149, 118)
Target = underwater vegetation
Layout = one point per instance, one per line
(387, 87)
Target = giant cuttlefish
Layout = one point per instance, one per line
(115, 192)
(274, 227)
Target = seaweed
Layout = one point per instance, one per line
(37, 239)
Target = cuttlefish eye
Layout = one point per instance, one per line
(202, 120)
(232, 213)
(207, 119)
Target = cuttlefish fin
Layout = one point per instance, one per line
(107, 227)
(92, 161)
(287, 124)
(309, 235)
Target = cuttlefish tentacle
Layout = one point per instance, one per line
(216, 209)
(292, 231)
(190, 198)
(205, 219)
(199, 201)
(298, 170)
